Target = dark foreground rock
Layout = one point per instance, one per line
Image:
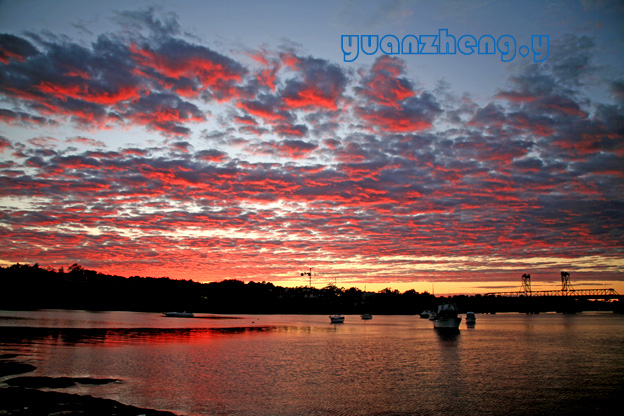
(7, 356)
(23, 401)
(56, 382)
(12, 367)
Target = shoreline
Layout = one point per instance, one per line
(27, 401)
(21, 395)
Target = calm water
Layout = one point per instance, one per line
(508, 364)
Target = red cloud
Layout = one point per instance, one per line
(43, 141)
(393, 120)
(4, 144)
(181, 60)
(212, 156)
(90, 94)
(383, 85)
(317, 85)
(15, 48)
(138, 152)
(291, 131)
(261, 110)
(290, 60)
(536, 126)
(246, 120)
(6, 55)
(259, 57)
(311, 97)
(267, 77)
(560, 106)
(164, 112)
(21, 118)
(516, 96)
(296, 149)
(257, 131)
(79, 163)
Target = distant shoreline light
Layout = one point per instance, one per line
(444, 44)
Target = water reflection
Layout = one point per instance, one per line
(302, 365)
(112, 336)
(71, 336)
(448, 335)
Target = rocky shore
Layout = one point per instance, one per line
(19, 395)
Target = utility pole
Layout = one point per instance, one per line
(309, 274)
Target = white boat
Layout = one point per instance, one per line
(367, 316)
(337, 319)
(426, 314)
(179, 315)
(447, 317)
(471, 319)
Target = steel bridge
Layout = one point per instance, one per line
(584, 293)
(566, 291)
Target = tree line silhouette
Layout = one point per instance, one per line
(33, 287)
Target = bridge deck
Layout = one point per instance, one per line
(584, 293)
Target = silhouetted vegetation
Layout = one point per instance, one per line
(33, 287)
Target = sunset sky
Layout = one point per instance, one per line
(231, 140)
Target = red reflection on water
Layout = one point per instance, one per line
(112, 336)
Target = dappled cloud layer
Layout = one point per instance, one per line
(148, 152)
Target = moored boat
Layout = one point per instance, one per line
(426, 314)
(367, 316)
(471, 319)
(337, 319)
(447, 317)
(179, 315)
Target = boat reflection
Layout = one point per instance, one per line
(447, 334)
(471, 319)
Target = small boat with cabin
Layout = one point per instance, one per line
(447, 317)
(179, 315)
(337, 319)
(426, 314)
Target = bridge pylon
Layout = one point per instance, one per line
(526, 284)
(566, 286)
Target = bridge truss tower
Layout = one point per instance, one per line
(566, 286)
(526, 284)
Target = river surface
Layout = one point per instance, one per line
(507, 364)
